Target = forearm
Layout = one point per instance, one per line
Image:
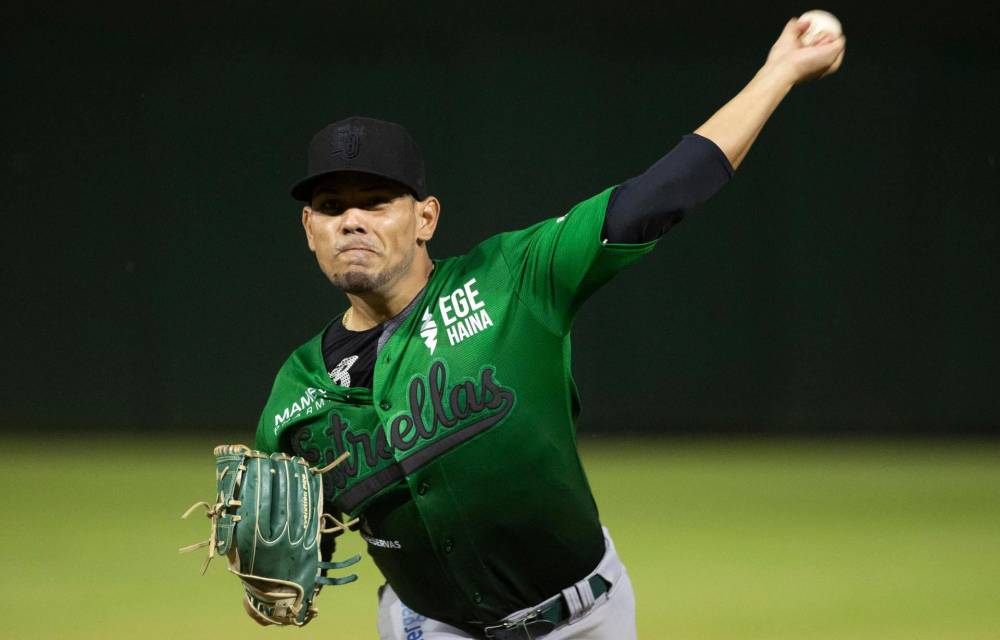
(643, 208)
(735, 126)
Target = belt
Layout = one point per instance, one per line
(542, 620)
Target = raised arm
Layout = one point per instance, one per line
(735, 126)
(646, 206)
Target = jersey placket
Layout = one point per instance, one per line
(442, 517)
(440, 514)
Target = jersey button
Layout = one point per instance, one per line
(477, 598)
(385, 405)
(449, 544)
(423, 488)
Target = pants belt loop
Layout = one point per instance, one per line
(579, 598)
(572, 598)
(586, 593)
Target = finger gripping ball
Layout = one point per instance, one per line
(820, 22)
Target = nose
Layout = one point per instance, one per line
(353, 221)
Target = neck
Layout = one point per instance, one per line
(375, 307)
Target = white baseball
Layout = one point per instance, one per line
(820, 22)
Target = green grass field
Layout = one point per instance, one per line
(746, 539)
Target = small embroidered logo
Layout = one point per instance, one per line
(347, 142)
(428, 330)
(340, 375)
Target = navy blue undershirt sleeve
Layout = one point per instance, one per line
(643, 208)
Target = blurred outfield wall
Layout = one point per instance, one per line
(846, 280)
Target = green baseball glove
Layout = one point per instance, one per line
(268, 521)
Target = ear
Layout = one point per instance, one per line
(427, 212)
(307, 225)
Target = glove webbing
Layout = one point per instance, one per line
(214, 512)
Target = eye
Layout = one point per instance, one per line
(328, 207)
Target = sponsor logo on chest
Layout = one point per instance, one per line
(308, 402)
(463, 314)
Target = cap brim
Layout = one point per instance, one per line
(303, 189)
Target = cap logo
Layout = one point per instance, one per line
(347, 142)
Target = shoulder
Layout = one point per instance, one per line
(587, 214)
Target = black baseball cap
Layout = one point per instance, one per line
(366, 145)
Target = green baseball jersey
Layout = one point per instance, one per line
(463, 461)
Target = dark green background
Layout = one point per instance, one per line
(155, 274)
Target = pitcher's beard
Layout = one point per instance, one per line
(354, 282)
(362, 282)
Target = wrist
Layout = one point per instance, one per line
(777, 74)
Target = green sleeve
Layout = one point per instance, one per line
(558, 263)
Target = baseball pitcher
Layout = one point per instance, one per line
(445, 388)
